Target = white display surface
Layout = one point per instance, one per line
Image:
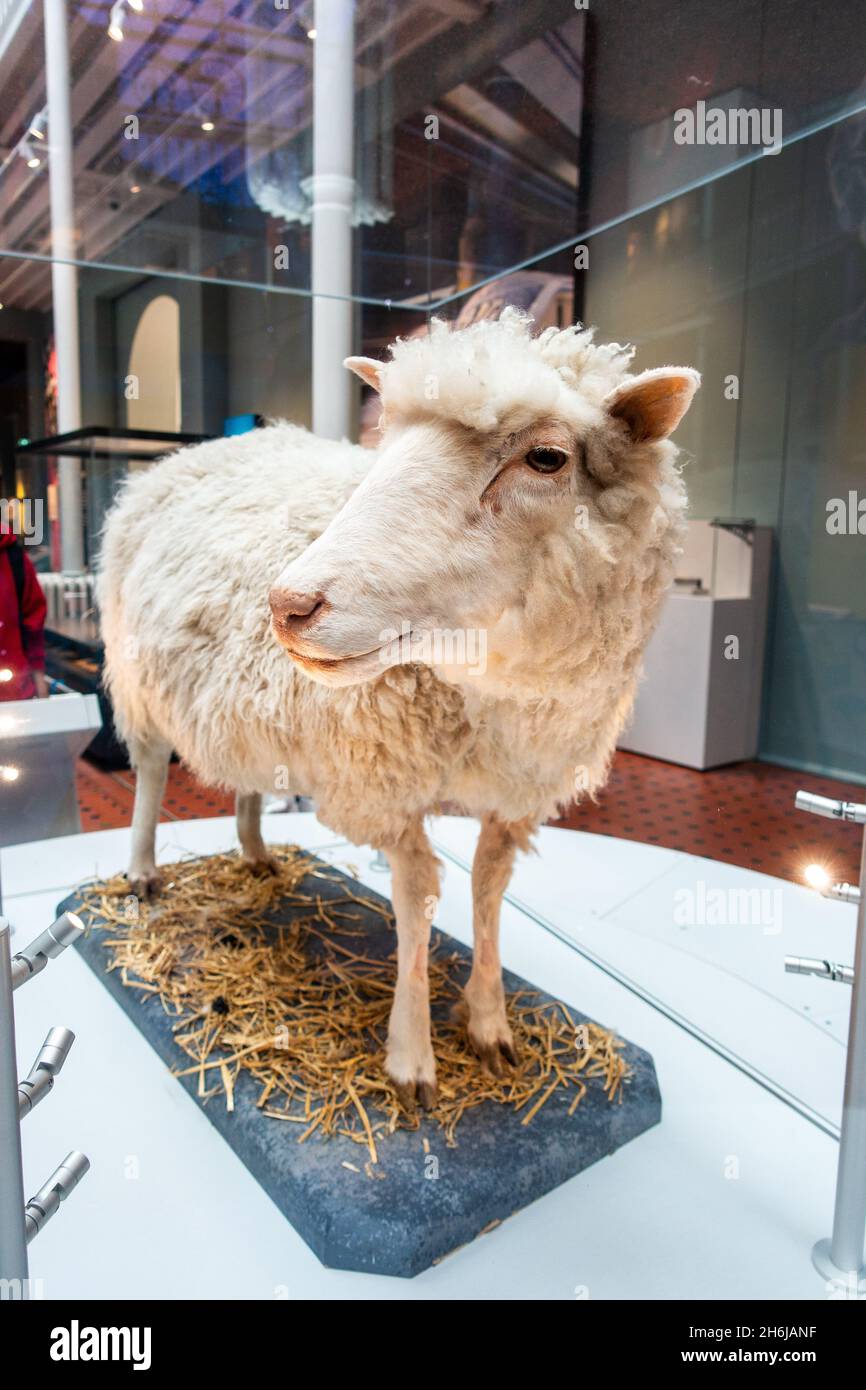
(169, 1211)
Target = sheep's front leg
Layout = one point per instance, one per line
(483, 1004)
(248, 815)
(414, 890)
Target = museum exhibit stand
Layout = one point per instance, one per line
(699, 702)
(744, 1023)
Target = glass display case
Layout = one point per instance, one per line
(204, 209)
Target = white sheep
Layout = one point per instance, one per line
(465, 611)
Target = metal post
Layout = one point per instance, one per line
(13, 1243)
(841, 1257)
(64, 275)
(332, 188)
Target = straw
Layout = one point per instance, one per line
(302, 1010)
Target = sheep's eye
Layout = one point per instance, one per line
(547, 460)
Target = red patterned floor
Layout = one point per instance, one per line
(740, 815)
(105, 798)
(743, 814)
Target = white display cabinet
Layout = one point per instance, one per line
(699, 703)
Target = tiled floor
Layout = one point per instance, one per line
(739, 815)
(743, 814)
(105, 798)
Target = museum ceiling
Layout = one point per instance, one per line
(505, 80)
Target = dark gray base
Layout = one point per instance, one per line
(405, 1222)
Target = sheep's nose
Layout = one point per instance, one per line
(292, 611)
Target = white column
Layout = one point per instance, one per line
(64, 277)
(333, 189)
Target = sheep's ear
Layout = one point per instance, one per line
(653, 403)
(367, 368)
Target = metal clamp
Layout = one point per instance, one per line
(64, 932)
(843, 893)
(40, 1209)
(824, 969)
(39, 1080)
(20, 1221)
(832, 810)
(840, 1259)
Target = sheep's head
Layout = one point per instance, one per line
(519, 521)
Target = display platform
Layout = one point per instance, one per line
(723, 1200)
(417, 1213)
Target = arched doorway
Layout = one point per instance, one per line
(153, 387)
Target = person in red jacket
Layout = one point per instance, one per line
(22, 622)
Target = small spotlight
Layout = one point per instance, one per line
(6, 675)
(135, 188)
(311, 33)
(115, 22)
(28, 154)
(817, 877)
(137, 5)
(207, 125)
(9, 774)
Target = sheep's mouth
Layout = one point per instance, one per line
(332, 663)
(356, 667)
(341, 670)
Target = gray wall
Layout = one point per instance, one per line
(762, 275)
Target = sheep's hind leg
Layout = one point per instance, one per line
(248, 814)
(150, 759)
(414, 890)
(483, 1005)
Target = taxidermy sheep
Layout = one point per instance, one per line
(458, 615)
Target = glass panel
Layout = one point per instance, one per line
(690, 179)
(193, 129)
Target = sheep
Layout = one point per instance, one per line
(297, 614)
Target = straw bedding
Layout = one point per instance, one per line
(303, 1010)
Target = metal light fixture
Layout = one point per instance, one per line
(824, 969)
(840, 1258)
(37, 125)
(115, 21)
(28, 154)
(20, 1221)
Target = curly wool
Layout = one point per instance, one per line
(494, 375)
